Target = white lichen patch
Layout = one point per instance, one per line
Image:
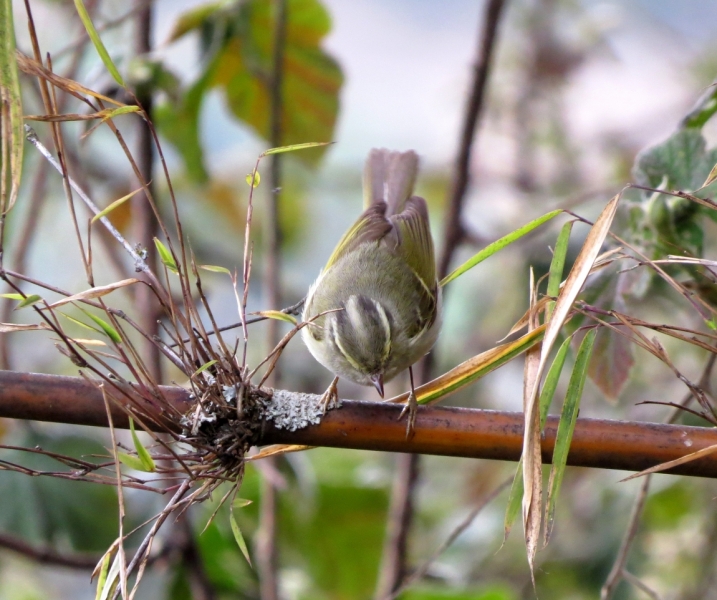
(292, 411)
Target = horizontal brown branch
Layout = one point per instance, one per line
(473, 433)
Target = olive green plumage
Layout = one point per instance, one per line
(382, 279)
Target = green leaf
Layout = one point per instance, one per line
(278, 315)
(102, 578)
(703, 112)
(242, 502)
(106, 328)
(80, 323)
(557, 264)
(133, 462)
(295, 147)
(239, 40)
(99, 46)
(166, 256)
(114, 205)
(239, 537)
(204, 367)
(215, 269)
(491, 249)
(566, 426)
(144, 456)
(12, 296)
(29, 301)
(11, 121)
(253, 179)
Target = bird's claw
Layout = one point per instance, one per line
(330, 396)
(411, 407)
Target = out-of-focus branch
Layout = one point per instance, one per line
(266, 543)
(393, 562)
(47, 556)
(472, 433)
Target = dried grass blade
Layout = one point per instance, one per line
(95, 292)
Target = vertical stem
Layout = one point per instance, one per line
(267, 557)
(143, 218)
(393, 563)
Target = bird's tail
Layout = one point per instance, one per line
(389, 176)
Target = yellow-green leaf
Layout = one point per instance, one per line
(294, 147)
(239, 537)
(114, 205)
(11, 122)
(29, 301)
(166, 256)
(204, 367)
(133, 462)
(13, 296)
(215, 269)
(253, 179)
(491, 249)
(99, 46)
(144, 456)
(278, 315)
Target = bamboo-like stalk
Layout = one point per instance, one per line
(472, 433)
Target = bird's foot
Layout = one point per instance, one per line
(411, 407)
(330, 398)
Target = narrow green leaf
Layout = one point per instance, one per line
(239, 537)
(546, 396)
(278, 315)
(99, 46)
(295, 147)
(215, 269)
(166, 256)
(566, 426)
(102, 578)
(114, 205)
(204, 367)
(558, 264)
(133, 462)
(253, 179)
(515, 499)
(144, 457)
(80, 323)
(122, 110)
(29, 301)
(106, 328)
(242, 502)
(491, 249)
(11, 122)
(12, 296)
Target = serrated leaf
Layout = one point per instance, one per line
(239, 537)
(166, 256)
(29, 301)
(215, 269)
(253, 179)
(106, 328)
(11, 122)
(113, 205)
(278, 315)
(144, 456)
(97, 42)
(95, 292)
(566, 427)
(491, 249)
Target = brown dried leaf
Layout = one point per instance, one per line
(95, 292)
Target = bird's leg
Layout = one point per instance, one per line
(330, 396)
(411, 407)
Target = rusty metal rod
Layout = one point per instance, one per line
(473, 433)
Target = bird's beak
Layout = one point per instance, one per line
(377, 381)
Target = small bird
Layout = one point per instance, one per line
(375, 308)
